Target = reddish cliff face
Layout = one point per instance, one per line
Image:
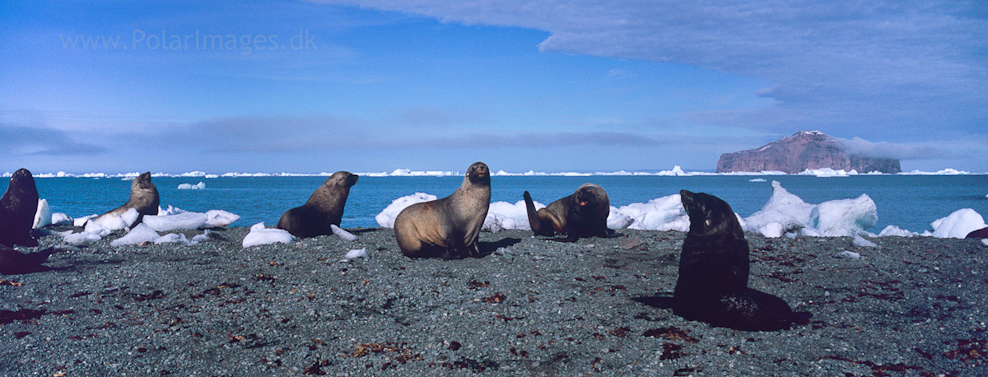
(802, 151)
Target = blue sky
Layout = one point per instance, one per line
(308, 87)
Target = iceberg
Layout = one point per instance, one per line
(184, 220)
(188, 186)
(662, 214)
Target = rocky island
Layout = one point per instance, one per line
(805, 150)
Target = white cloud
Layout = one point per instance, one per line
(863, 66)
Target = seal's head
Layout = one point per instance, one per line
(710, 215)
(479, 174)
(342, 179)
(22, 185)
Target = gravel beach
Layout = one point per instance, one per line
(531, 307)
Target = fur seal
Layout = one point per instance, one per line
(324, 208)
(17, 209)
(581, 214)
(713, 273)
(13, 262)
(980, 233)
(143, 198)
(447, 227)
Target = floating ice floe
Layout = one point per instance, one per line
(957, 225)
(259, 235)
(387, 216)
(42, 217)
(188, 186)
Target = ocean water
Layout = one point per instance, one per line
(907, 201)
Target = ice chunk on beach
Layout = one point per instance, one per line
(170, 211)
(140, 233)
(167, 223)
(175, 238)
(387, 216)
(189, 186)
(894, 231)
(773, 229)
(617, 220)
(862, 242)
(259, 235)
(42, 217)
(59, 218)
(220, 218)
(958, 224)
(662, 214)
(845, 217)
(81, 221)
(104, 225)
(783, 208)
(834, 218)
(503, 215)
(339, 232)
(357, 253)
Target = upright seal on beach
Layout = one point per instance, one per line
(582, 214)
(447, 227)
(17, 209)
(713, 273)
(324, 208)
(13, 262)
(143, 198)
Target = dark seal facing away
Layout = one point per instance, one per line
(324, 208)
(447, 227)
(143, 198)
(713, 273)
(17, 209)
(580, 215)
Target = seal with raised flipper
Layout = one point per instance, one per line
(323, 209)
(582, 214)
(143, 198)
(17, 209)
(447, 227)
(713, 273)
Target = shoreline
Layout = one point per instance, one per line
(910, 307)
